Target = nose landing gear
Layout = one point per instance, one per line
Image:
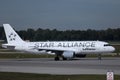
(99, 56)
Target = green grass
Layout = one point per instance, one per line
(23, 55)
(117, 48)
(27, 55)
(0, 45)
(7, 50)
(109, 55)
(29, 76)
(114, 42)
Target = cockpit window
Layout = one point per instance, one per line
(107, 45)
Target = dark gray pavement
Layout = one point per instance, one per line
(49, 66)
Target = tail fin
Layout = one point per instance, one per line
(11, 35)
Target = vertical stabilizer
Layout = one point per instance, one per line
(11, 35)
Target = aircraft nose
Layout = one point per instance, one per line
(112, 49)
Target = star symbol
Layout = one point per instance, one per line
(12, 37)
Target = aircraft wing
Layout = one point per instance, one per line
(55, 49)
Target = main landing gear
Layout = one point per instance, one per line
(99, 56)
(64, 58)
(57, 58)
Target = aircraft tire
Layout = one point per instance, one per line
(64, 58)
(57, 59)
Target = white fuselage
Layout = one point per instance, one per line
(64, 49)
(81, 47)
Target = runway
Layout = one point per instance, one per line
(49, 66)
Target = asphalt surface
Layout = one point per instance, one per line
(49, 66)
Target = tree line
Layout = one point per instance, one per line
(68, 35)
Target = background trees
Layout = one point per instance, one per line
(68, 35)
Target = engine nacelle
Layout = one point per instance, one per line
(68, 54)
(51, 53)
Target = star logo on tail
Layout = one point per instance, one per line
(12, 37)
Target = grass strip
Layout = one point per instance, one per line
(28, 55)
(23, 55)
(30, 76)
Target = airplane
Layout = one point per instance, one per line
(61, 49)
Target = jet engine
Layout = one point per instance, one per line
(68, 54)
